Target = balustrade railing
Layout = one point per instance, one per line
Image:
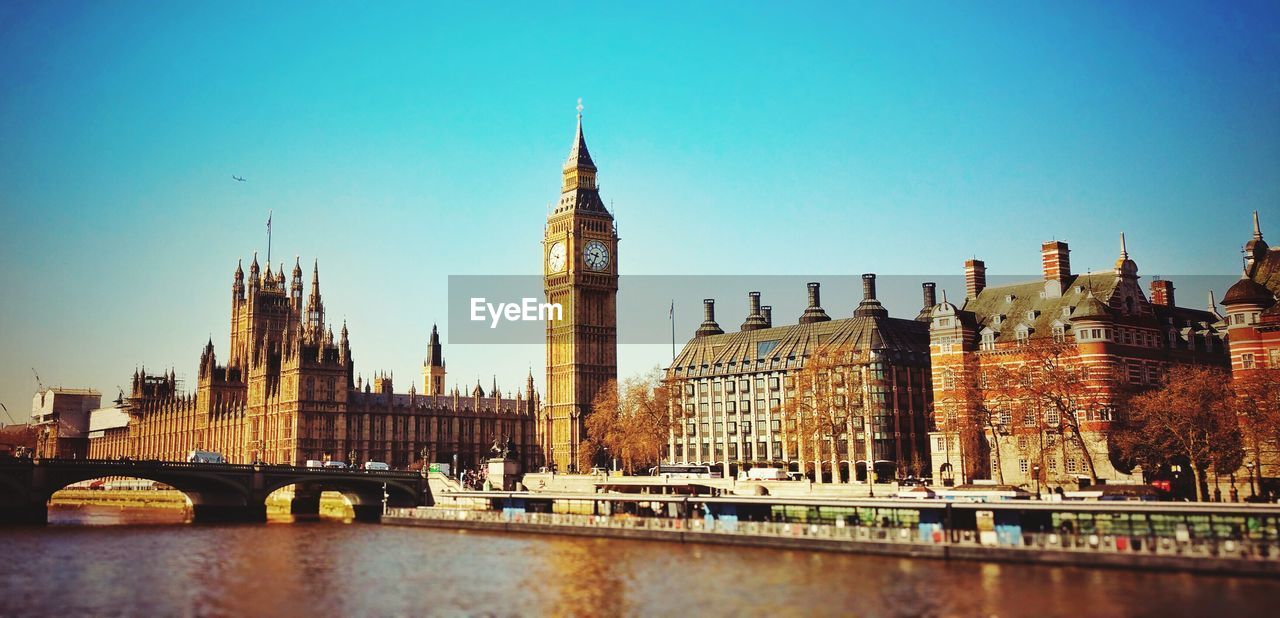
(1242, 549)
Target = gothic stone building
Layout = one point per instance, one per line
(288, 393)
(1102, 324)
(731, 391)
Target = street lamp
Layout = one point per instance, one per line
(1036, 471)
(1253, 493)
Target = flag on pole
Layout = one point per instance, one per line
(268, 221)
(672, 313)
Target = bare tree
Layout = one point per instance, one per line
(828, 399)
(633, 421)
(1191, 417)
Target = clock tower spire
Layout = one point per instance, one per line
(580, 273)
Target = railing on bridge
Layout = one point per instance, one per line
(1241, 548)
(116, 465)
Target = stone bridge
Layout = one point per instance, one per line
(218, 492)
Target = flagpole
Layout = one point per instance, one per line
(269, 212)
(673, 331)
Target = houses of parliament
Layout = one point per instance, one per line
(285, 390)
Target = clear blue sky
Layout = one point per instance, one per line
(402, 143)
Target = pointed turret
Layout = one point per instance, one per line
(579, 156)
(237, 287)
(344, 346)
(1125, 267)
(579, 191)
(315, 307)
(1256, 249)
(254, 281)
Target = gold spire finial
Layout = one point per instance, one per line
(579, 107)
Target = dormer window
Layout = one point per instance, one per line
(988, 339)
(1066, 312)
(1059, 332)
(1022, 333)
(1008, 298)
(998, 319)
(1033, 314)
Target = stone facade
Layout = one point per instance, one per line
(289, 393)
(580, 273)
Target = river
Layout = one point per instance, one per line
(107, 562)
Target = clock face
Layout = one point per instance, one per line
(596, 255)
(555, 258)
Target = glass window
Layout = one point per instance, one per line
(776, 425)
(728, 386)
(733, 428)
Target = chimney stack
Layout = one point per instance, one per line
(930, 294)
(767, 312)
(755, 320)
(1056, 261)
(870, 307)
(814, 313)
(930, 300)
(709, 325)
(975, 277)
(1162, 292)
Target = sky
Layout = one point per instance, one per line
(401, 143)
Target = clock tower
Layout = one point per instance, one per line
(580, 273)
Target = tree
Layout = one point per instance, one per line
(1257, 405)
(1189, 417)
(1051, 379)
(631, 422)
(828, 399)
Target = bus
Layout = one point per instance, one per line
(678, 471)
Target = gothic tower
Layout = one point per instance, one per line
(433, 367)
(580, 273)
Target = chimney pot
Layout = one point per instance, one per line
(930, 294)
(767, 312)
(868, 286)
(814, 294)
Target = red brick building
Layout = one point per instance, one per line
(1253, 327)
(1024, 374)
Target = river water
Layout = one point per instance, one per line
(98, 561)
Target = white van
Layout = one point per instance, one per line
(335, 464)
(199, 456)
(315, 463)
(767, 474)
(376, 465)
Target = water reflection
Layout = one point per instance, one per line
(148, 564)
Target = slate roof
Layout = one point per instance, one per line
(905, 341)
(1267, 271)
(1004, 308)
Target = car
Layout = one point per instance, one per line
(376, 465)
